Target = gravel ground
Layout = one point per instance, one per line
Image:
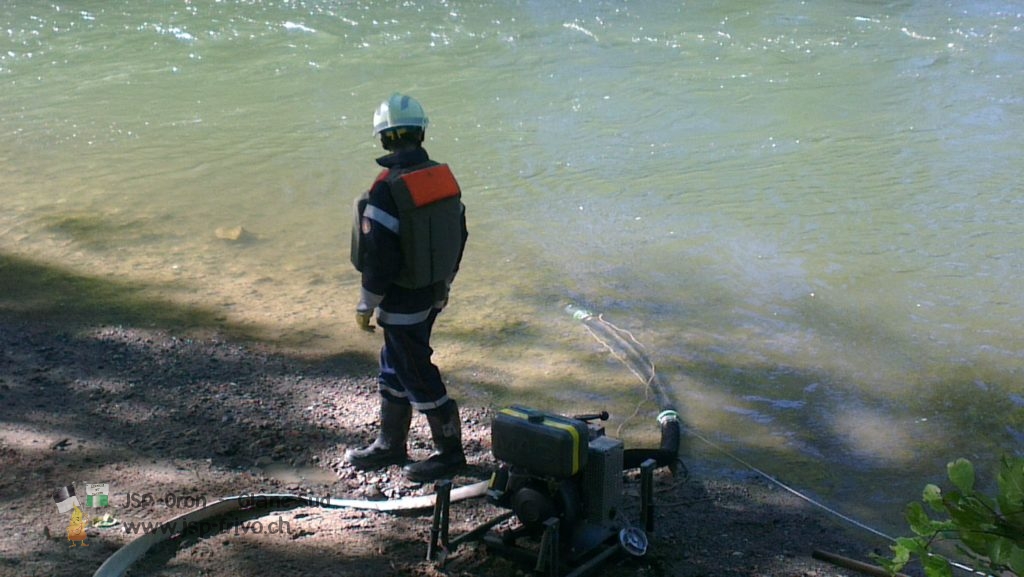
(170, 422)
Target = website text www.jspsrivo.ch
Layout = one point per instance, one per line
(239, 527)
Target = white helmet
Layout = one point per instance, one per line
(397, 111)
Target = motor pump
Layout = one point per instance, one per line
(556, 467)
(560, 478)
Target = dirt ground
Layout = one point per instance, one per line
(170, 422)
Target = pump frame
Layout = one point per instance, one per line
(547, 559)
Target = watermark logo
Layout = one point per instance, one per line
(97, 495)
(185, 527)
(170, 500)
(76, 529)
(66, 500)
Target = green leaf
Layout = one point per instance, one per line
(933, 496)
(919, 521)
(971, 512)
(976, 541)
(999, 550)
(921, 524)
(1015, 560)
(1011, 489)
(900, 558)
(910, 545)
(988, 502)
(935, 566)
(989, 530)
(961, 473)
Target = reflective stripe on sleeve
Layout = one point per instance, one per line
(387, 220)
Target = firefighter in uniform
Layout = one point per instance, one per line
(407, 242)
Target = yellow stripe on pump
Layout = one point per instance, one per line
(542, 419)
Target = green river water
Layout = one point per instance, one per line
(809, 213)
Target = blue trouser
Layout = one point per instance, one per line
(407, 376)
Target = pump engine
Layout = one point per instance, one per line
(556, 467)
(561, 479)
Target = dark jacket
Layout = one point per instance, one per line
(381, 250)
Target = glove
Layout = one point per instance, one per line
(363, 320)
(364, 310)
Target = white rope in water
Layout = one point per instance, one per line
(648, 381)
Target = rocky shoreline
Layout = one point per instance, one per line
(157, 414)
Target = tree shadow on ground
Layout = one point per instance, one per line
(80, 358)
(42, 293)
(112, 380)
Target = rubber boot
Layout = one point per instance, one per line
(389, 447)
(448, 457)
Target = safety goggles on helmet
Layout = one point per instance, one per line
(392, 138)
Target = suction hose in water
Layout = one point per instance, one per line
(667, 454)
(621, 344)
